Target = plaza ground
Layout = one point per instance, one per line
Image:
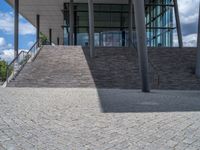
(90, 118)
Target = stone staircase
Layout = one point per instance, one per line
(71, 67)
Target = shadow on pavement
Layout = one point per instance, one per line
(127, 101)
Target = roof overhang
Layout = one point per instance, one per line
(50, 13)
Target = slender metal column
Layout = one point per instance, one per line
(58, 41)
(50, 36)
(16, 35)
(71, 22)
(38, 29)
(100, 40)
(198, 49)
(141, 43)
(178, 24)
(130, 23)
(16, 28)
(91, 27)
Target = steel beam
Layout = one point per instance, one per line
(91, 27)
(198, 49)
(178, 24)
(142, 43)
(71, 22)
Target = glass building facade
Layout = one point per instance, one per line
(159, 23)
(111, 23)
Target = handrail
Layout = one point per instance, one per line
(22, 52)
(15, 58)
(33, 46)
(20, 60)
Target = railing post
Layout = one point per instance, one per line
(58, 41)
(35, 49)
(23, 55)
(38, 29)
(7, 75)
(50, 36)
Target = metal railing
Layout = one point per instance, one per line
(17, 64)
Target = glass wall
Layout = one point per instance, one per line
(111, 24)
(66, 27)
(159, 23)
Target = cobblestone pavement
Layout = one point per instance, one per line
(81, 119)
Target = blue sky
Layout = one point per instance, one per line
(26, 36)
(188, 15)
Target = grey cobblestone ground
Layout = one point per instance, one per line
(80, 119)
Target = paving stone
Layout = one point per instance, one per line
(4, 138)
(192, 148)
(189, 141)
(171, 143)
(76, 118)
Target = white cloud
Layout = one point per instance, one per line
(7, 25)
(189, 13)
(2, 42)
(175, 40)
(188, 10)
(8, 55)
(30, 43)
(9, 45)
(190, 40)
(26, 28)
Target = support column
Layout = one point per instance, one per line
(58, 41)
(38, 29)
(91, 27)
(50, 36)
(16, 28)
(130, 23)
(198, 50)
(71, 22)
(16, 35)
(178, 24)
(142, 43)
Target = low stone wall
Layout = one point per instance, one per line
(176, 67)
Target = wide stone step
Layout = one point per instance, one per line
(71, 66)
